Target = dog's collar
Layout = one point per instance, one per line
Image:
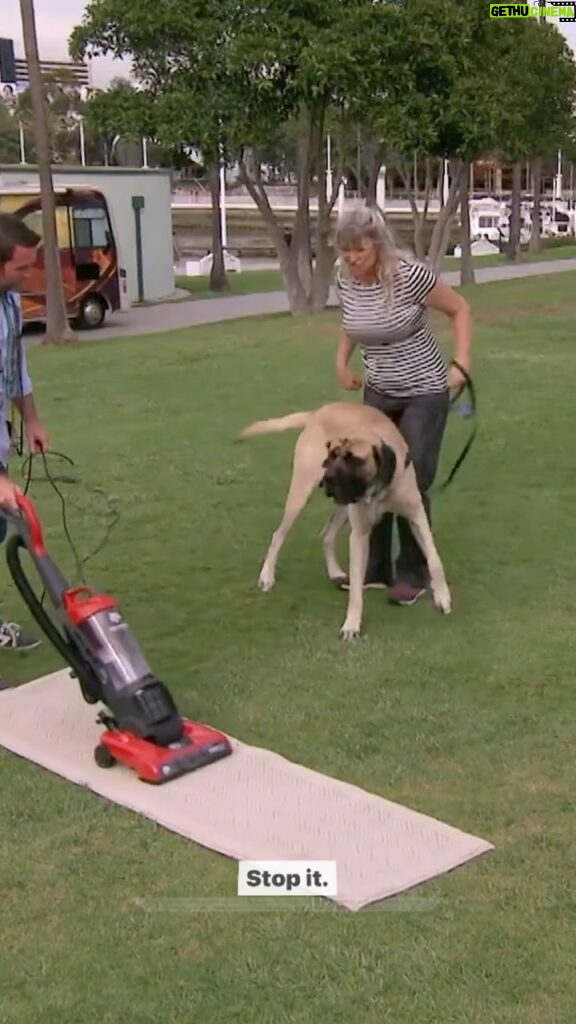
(375, 493)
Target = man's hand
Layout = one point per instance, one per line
(8, 494)
(36, 436)
(348, 380)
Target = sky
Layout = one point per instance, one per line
(55, 20)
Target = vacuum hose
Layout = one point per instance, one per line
(89, 683)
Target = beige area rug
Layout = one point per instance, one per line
(254, 805)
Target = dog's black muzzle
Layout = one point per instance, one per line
(344, 489)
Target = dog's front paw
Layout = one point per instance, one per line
(350, 632)
(443, 599)
(266, 581)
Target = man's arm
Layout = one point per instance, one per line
(27, 408)
(36, 435)
(26, 405)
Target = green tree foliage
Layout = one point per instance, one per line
(225, 75)
(437, 79)
(472, 87)
(9, 137)
(64, 109)
(186, 94)
(536, 113)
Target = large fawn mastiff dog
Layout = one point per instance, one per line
(360, 459)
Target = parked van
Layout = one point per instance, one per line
(94, 283)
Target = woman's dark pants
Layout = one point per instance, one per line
(421, 420)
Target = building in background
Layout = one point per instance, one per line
(69, 72)
(14, 73)
(139, 205)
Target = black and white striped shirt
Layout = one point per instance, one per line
(399, 350)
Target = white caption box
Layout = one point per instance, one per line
(287, 878)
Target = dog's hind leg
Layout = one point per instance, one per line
(421, 529)
(306, 475)
(329, 537)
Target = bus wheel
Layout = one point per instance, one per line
(92, 313)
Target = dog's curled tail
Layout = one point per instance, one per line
(294, 421)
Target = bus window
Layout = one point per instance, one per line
(90, 228)
(34, 291)
(33, 219)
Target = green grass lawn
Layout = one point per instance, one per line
(553, 252)
(468, 719)
(250, 282)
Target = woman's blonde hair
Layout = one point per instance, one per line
(360, 224)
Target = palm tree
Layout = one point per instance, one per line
(57, 324)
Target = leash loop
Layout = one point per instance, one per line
(467, 386)
(112, 512)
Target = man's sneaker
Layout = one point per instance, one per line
(13, 638)
(405, 594)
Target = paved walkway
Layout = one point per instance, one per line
(170, 316)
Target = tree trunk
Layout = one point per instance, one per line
(374, 154)
(324, 254)
(306, 280)
(419, 239)
(466, 264)
(218, 279)
(419, 219)
(535, 234)
(515, 219)
(301, 239)
(443, 226)
(58, 327)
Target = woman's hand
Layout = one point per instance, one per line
(348, 379)
(456, 378)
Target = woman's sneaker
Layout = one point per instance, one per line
(13, 638)
(405, 594)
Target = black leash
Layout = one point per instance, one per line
(469, 412)
(112, 512)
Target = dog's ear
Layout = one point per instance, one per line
(385, 460)
(334, 448)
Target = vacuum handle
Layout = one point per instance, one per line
(29, 527)
(35, 538)
(27, 523)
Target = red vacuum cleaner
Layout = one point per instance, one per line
(143, 728)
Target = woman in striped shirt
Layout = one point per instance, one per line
(385, 295)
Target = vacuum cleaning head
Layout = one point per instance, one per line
(198, 746)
